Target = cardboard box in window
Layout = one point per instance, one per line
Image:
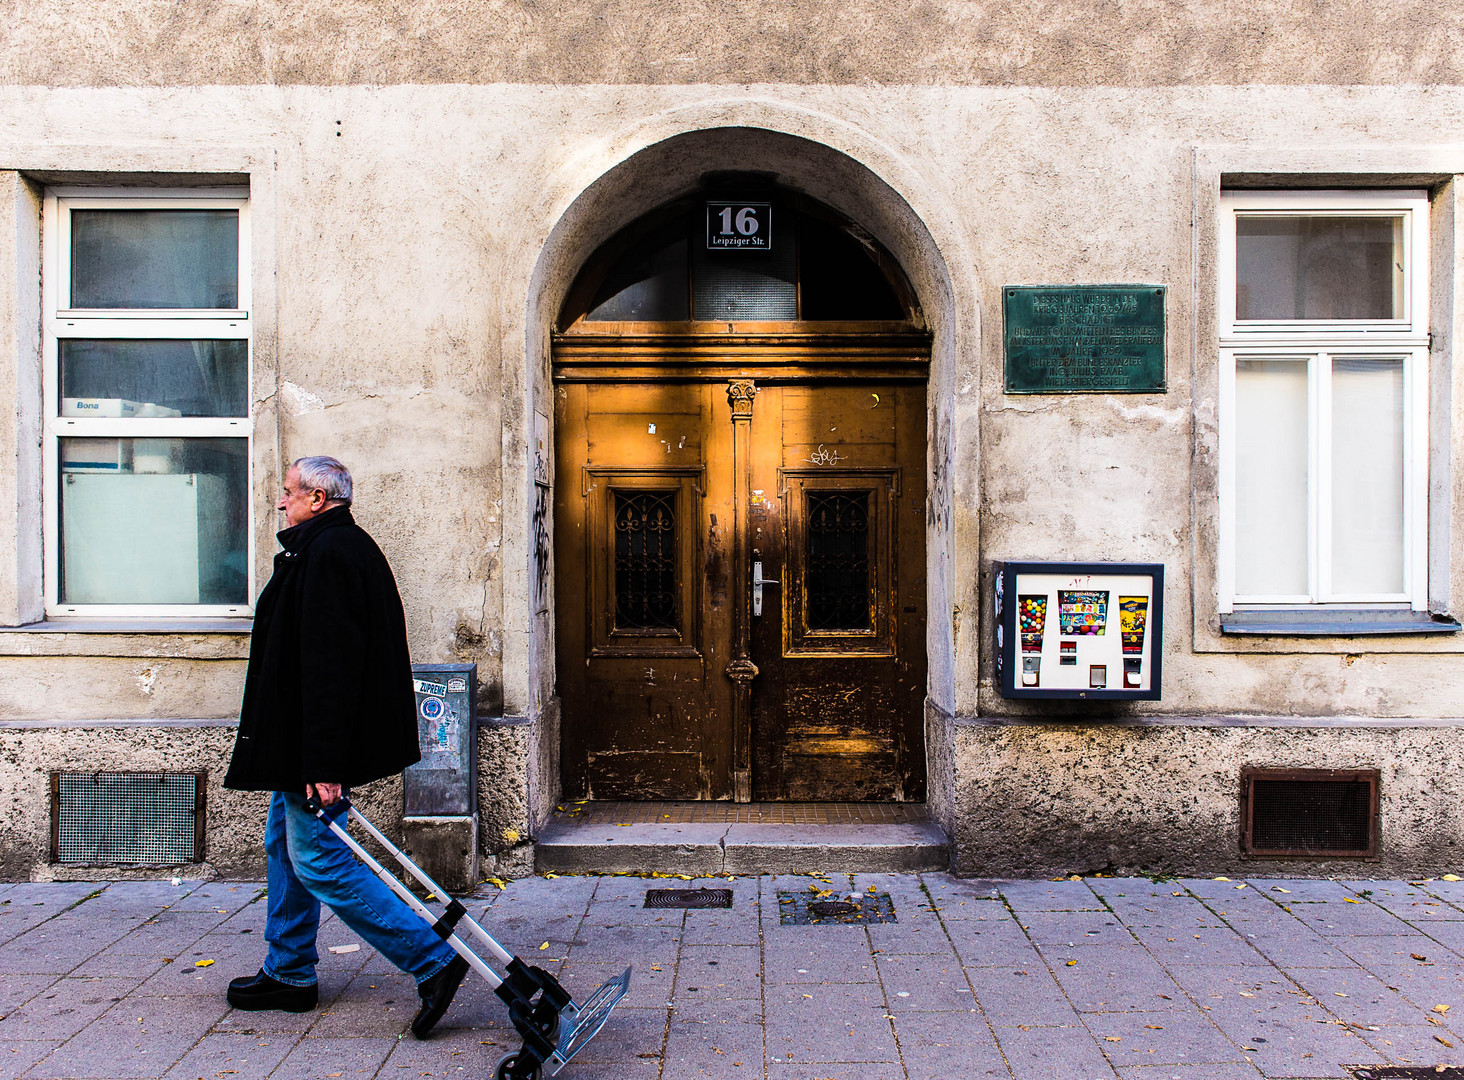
(108, 408)
(96, 455)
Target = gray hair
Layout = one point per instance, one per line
(326, 475)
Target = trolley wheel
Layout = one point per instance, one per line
(545, 1017)
(510, 1069)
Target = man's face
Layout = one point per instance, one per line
(299, 504)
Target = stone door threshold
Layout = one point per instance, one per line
(703, 839)
(755, 813)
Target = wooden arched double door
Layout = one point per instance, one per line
(740, 568)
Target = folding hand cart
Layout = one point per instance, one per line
(553, 1027)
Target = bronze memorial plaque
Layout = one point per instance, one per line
(1094, 339)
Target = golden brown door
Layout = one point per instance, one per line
(643, 583)
(675, 682)
(837, 519)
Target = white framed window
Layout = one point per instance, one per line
(147, 425)
(1323, 403)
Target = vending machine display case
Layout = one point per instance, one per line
(1079, 631)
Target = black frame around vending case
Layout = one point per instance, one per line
(1007, 638)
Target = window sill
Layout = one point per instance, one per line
(133, 626)
(1321, 622)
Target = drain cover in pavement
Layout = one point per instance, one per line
(689, 898)
(796, 909)
(1405, 1072)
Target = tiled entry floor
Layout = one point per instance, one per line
(730, 813)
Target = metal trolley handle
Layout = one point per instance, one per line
(553, 1027)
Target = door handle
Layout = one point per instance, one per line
(758, 581)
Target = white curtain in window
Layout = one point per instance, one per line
(1271, 478)
(1367, 475)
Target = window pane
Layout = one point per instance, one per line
(1270, 478)
(838, 276)
(747, 286)
(155, 259)
(838, 589)
(1367, 476)
(645, 560)
(154, 378)
(648, 283)
(1306, 266)
(154, 521)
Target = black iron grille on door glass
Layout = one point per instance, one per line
(1309, 812)
(838, 593)
(107, 818)
(645, 560)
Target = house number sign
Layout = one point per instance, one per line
(1094, 339)
(739, 226)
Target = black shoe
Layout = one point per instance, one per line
(436, 994)
(253, 993)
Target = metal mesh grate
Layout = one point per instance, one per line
(147, 818)
(688, 898)
(1308, 813)
(804, 909)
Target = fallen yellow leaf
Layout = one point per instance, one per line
(1440, 1009)
(1222, 879)
(550, 876)
(1445, 1041)
(203, 963)
(497, 882)
(543, 946)
(1278, 888)
(1451, 877)
(1072, 963)
(1351, 901)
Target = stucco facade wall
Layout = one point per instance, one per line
(413, 242)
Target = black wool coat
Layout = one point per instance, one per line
(328, 697)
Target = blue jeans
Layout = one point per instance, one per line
(310, 865)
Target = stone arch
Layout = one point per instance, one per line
(600, 189)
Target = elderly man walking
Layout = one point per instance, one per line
(328, 705)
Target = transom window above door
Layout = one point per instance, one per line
(753, 255)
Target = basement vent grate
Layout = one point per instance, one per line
(688, 898)
(1406, 1072)
(134, 818)
(805, 909)
(1309, 813)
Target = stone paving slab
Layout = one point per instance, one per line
(1132, 978)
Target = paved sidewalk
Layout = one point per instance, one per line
(1102, 977)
